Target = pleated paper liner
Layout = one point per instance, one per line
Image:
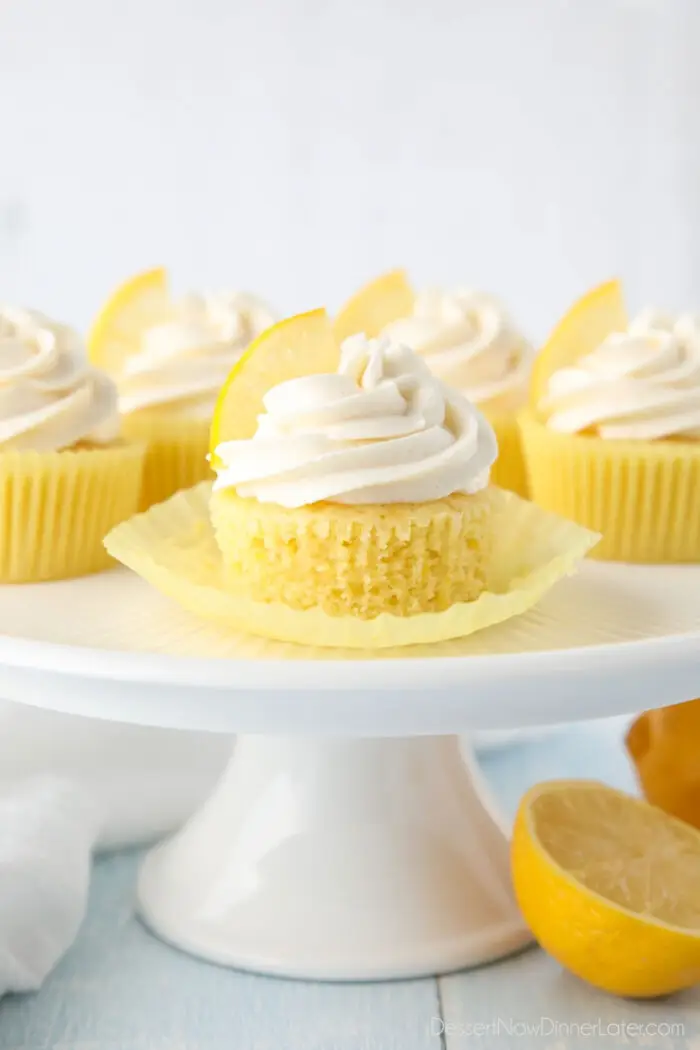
(176, 457)
(173, 547)
(57, 507)
(642, 496)
(508, 472)
(357, 561)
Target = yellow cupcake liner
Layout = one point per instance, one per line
(508, 472)
(173, 547)
(57, 507)
(176, 456)
(642, 496)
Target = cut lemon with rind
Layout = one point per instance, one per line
(298, 346)
(381, 302)
(610, 887)
(589, 321)
(140, 302)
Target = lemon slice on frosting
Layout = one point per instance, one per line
(584, 327)
(139, 303)
(299, 346)
(386, 299)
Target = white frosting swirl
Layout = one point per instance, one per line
(470, 342)
(382, 429)
(50, 397)
(183, 361)
(642, 384)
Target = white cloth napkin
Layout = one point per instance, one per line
(146, 782)
(48, 828)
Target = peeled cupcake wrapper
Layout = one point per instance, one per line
(176, 455)
(173, 547)
(56, 508)
(642, 496)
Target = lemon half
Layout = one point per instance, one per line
(610, 886)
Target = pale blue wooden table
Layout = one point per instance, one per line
(120, 989)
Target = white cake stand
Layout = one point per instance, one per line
(348, 839)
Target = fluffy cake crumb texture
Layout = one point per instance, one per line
(402, 559)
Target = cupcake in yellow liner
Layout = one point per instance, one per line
(66, 476)
(357, 513)
(468, 340)
(612, 440)
(176, 451)
(509, 472)
(169, 357)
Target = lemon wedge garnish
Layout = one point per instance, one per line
(610, 886)
(589, 321)
(139, 303)
(298, 346)
(386, 299)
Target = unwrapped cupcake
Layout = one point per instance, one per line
(352, 504)
(612, 439)
(66, 475)
(362, 491)
(468, 339)
(169, 358)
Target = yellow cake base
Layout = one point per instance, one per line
(176, 456)
(642, 496)
(508, 472)
(57, 507)
(357, 560)
(174, 548)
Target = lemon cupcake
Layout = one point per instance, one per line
(66, 477)
(361, 492)
(352, 505)
(468, 339)
(613, 437)
(169, 358)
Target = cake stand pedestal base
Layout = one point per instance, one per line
(339, 859)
